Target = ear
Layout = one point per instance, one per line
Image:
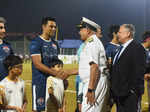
(129, 34)
(114, 34)
(89, 30)
(43, 26)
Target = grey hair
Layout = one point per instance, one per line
(130, 28)
(2, 20)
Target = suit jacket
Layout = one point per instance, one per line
(128, 72)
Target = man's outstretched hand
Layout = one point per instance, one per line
(64, 74)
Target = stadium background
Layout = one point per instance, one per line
(24, 20)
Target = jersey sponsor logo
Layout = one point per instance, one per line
(54, 46)
(6, 49)
(40, 101)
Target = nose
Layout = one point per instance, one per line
(54, 28)
(4, 30)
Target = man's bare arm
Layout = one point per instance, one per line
(94, 76)
(36, 59)
(72, 71)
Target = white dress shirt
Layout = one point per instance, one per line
(124, 47)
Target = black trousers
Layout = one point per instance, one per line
(129, 103)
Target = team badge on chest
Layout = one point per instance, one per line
(54, 46)
(6, 49)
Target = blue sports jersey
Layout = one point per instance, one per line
(111, 50)
(5, 50)
(48, 50)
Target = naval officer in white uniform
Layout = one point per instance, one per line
(92, 68)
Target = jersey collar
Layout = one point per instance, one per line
(44, 39)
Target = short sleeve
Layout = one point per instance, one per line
(93, 52)
(35, 47)
(108, 52)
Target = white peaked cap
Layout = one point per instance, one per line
(92, 23)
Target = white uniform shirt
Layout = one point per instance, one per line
(14, 92)
(93, 51)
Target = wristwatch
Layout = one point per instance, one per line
(90, 90)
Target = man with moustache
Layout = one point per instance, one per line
(91, 60)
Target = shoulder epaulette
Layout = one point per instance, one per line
(90, 39)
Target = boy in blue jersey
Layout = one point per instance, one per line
(43, 49)
(5, 49)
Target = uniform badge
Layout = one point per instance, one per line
(40, 101)
(6, 49)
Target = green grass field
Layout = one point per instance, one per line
(70, 93)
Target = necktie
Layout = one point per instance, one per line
(118, 53)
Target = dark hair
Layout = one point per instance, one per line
(55, 61)
(46, 19)
(12, 60)
(113, 29)
(146, 35)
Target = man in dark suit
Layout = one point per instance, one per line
(127, 75)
